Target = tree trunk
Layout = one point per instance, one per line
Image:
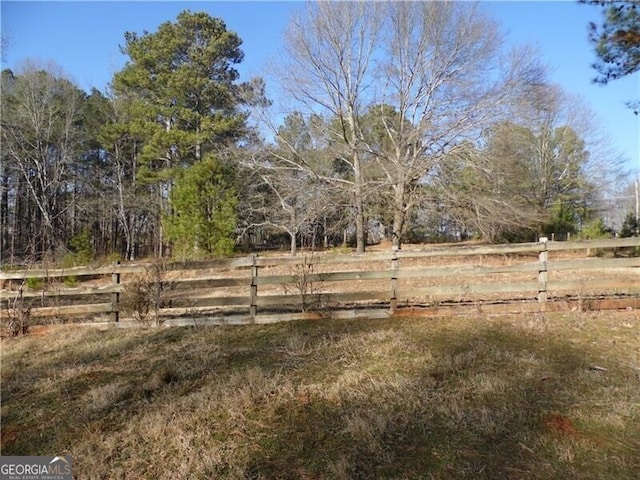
(313, 236)
(4, 217)
(325, 239)
(131, 254)
(359, 204)
(399, 216)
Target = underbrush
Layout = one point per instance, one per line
(521, 397)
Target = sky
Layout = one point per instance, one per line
(84, 38)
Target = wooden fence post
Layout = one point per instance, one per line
(253, 309)
(115, 297)
(393, 304)
(543, 258)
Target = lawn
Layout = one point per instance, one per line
(519, 397)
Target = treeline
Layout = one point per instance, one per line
(407, 121)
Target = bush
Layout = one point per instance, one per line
(81, 248)
(630, 226)
(34, 283)
(203, 218)
(113, 257)
(70, 281)
(145, 294)
(594, 229)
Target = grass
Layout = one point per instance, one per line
(485, 398)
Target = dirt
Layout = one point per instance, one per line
(560, 425)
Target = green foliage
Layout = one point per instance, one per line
(616, 42)
(81, 247)
(594, 229)
(630, 226)
(34, 283)
(182, 90)
(110, 259)
(568, 214)
(97, 111)
(563, 219)
(203, 217)
(70, 281)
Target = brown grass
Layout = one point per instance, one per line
(481, 398)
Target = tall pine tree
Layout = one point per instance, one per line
(184, 98)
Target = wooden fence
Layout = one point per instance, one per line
(438, 280)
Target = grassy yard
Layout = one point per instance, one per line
(499, 398)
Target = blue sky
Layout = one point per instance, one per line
(84, 38)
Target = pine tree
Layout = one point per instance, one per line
(203, 218)
(617, 41)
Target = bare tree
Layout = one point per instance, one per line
(293, 189)
(40, 137)
(443, 78)
(402, 85)
(293, 204)
(328, 70)
(122, 147)
(545, 170)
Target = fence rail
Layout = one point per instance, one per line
(266, 289)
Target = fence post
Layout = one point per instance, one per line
(393, 304)
(543, 258)
(253, 309)
(115, 297)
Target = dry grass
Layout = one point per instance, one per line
(484, 398)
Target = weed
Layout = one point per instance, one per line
(18, 313)
(340, 250)
(70, 281)
(304, 283)
(34, 283)
(146, 293)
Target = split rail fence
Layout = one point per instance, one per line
(439, 280)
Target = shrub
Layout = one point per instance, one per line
(82, 250)
(594, 229)
(145, 294)
(34, 283)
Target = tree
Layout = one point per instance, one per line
(543, 173)
(293, 195)
(88, 178)
(327, 70)
(403, 83)
(630, 226)
(622, 204)
(184, 99)
(482, 191)
(203, 203)
(41, 138)
(528, 177)
(182, 82)
(616, 41)
(446, 79)
(133, 204)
